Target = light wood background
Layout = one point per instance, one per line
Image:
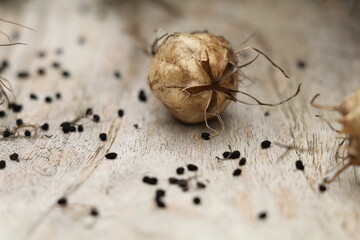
(325, 34)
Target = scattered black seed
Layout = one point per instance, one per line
(150, 180)
(182, 183)
(117, 74)
(2, 164)
(205, 136)
(41, 71)
(266, 114)
(142, 96)
(27, 133)
(121, 113)
(33, 96)
(80, 128)
(226, 154)
(237, 172)
(19, 122)
(88, 112)
(23, 74)
(41, 54)
(299, 165)
(45, 126)
(262, 215)
(7, 133)
(192, 167)
(160, 193)
(15, 107)
(136, 126)
(65, 127)
(96, 118)
(180, 170)
(56, 64)
(159, 202)
(173, 180)
(242, 161)
(200, 185)
(265, 144)
(234, 155)
(62, 201)
(301, 64)
(4, 65)
(196, 200)
(48, 99)
(103, 136)
(59, 51)
(72, 129)
(322, 188)
(65, 74)
(14, 157)
(111, 155)
(2, 114)
(58, 95)
(94, 212)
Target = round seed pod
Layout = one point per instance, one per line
(189, 73)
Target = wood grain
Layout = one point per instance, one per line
(324, 34)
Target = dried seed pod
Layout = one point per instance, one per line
(194, 76)
(350, 111)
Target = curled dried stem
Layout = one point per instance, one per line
(319, 106)
(337, 173)
(328, 123)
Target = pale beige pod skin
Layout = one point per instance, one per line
(350, 111)
(183, 63)
(196, 76)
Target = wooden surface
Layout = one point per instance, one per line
(324, 34)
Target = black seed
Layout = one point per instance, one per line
(56, 64)
(226, 154)
(136, 126)
(33, 96)
(2, 114)
(266, 114)
(7, 133)
(19, 122)
(15, 107)
(58, 95)
(234, 155)
(150, 180)
(88, 112)
(192, 167)
(262, 215)
(121, 113)
(80, 128)
(142, 96)
(41, 71)
(23, 74)
(94, 212)
(48, 99)
(14, 157)
(96, 118)
(4, 64)
(62, 201)
(205, 136)
(237, 172)
(117, 74)
(72, 129)
(180, 170)
(160, 193)
(200, 185)
(45, 126)
(322, 188)
(2, 164)
(160, 203)
(103, 136)
(27, 133)
(41, 54)
(65, 74)
(111, 155)
(301, 64)
(196, 200)
(299, 165)
(242, 162)
(173, 180)
(265, 144)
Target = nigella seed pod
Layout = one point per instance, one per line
(195, 76)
